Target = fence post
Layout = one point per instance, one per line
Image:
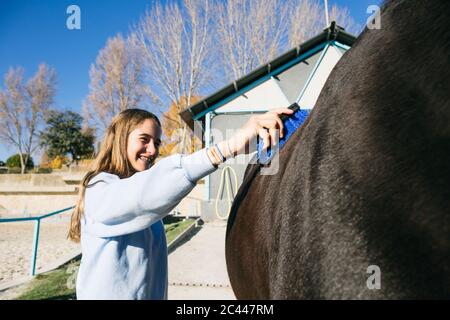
(35, 246)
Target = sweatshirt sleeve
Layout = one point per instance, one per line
(114, 206)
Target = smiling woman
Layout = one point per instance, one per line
(143, 145)
(124, 198)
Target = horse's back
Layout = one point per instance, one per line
(365, 182)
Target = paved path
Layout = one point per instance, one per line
(197, 268)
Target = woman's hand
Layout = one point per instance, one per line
(267, 126)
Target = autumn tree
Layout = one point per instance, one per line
(172, 127)
(23, 107)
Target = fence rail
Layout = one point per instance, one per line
(37, 226)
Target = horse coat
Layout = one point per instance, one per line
(364, 182)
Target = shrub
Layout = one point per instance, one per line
(14, 162)
(43, 170)
(14, 170)
(58, 162)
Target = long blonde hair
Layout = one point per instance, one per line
(111, 158)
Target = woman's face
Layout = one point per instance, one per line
(143, 145)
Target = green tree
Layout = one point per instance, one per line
(64, 135)
(14, 161)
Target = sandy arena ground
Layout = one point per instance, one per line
(16, 242)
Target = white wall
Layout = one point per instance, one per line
(312, 92)
(269, 94)
(265, 96)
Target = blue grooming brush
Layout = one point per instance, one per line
(291, 124)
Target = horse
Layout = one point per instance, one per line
(359, 207)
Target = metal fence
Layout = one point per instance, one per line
(37, 226)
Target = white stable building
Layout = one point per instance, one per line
(296, 76)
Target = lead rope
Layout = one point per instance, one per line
(230, 193)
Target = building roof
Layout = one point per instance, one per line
(331, 33)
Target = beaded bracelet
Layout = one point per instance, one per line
(212, 157)
(216, 154)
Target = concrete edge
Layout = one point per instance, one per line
(14, 283)
(172, 245)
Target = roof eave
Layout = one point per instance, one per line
(331, 33)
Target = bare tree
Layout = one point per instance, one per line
(253, 32)
(250, 33)
(177, 42)
(343, 18)
(23, 107)
(117, 82)
(307, 19)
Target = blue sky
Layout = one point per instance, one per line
(34, 31)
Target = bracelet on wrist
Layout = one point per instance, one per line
(215, 155)
(212, 158)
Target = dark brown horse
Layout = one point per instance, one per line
(365, 181)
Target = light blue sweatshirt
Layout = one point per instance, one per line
(123, 243)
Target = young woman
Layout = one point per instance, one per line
(124, 198)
